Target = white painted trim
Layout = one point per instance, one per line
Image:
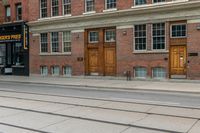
(35, 34)
(77, 31)
(125, 27)
(110, 10)
(88, 13)
(193, 21)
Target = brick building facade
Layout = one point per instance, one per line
(149, 38)
(14, 37)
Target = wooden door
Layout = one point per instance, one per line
(178, 60)
(93, 61)
(110, 61)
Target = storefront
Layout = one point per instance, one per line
(14, 51)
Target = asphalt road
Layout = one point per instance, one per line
(166, 98)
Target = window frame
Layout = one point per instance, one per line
(153, 2)
(135, 38)
(165, 73)
(177, 25)
(7, 18)
(66, 4)
(54, 7)
(86, 11)
(68, 41)
(67, 75)
(106, 34)
(139, 4)
(140, 77)
(42, 42)
(52, 42)
(41, 70)
(18, 6)
(52, 72)
(43, 8)
(106, 6)
(93, 42)
(165, 40)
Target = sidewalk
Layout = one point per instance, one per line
(186, 86)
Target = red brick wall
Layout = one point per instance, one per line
(127, 59)
(37, 60)
(193, 46)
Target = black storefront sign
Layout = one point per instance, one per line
(14, 52)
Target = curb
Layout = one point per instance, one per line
(104, 88)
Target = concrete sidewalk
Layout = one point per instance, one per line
(186, 86)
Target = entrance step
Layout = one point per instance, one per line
(178, 76)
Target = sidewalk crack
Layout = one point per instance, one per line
(125, 130)
(193, 126)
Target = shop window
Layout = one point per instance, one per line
(66, 7)
(43, 42)
(159, 73)
(158, 36)
(111, 4)
(18, 56)
(89, 5)
(178, 30)
(67, 41)
(140, 2)
(140, 72)
(2, 54)
(140, 37)
(93, 36)
(54, 42)
(54, 8)
(67, 71)
(44, 70)
(8, 14)
(110, 35)
(18, 12)
(55, 70)
(43, 8)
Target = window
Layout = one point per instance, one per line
(110, 4)
(54, 42)
(159, 73)
(44, 70)
(110, 35)
(140, 37)
(8, 14)
(67, 71)
(67, 7)
(18, 12)
(89, 5)
(178, 30)
(140, 72)
(3, 54)
(55, 70)
(158, 36)
(54, 8)
(140, 2)
(43, 8)
(93, 36)
(18, 58)
(67, 41)
(157, 1)
(43, 42)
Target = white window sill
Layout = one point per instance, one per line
(150, 52)
(54, 54)
(87, 13)
(158, 3)
(67, 15)
(110, 10)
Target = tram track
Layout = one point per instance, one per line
(87, 106)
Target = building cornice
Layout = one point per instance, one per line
(143, 13)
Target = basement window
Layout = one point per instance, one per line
(67, 71)
(140, 72)
(43, 70)
(159, 73)
(55, 70)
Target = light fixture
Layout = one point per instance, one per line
(124, 33)
(198, 27)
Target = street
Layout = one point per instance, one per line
(32, 108)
